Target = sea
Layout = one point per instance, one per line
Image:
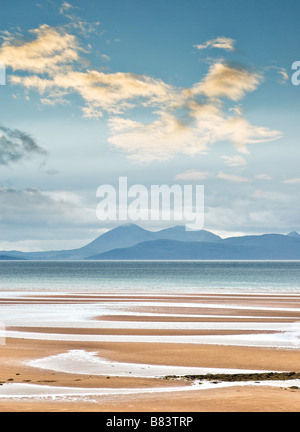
(163, 277)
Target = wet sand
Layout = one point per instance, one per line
(239, 399)
(18, 352)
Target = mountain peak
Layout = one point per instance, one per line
(293, 234)
(130, 226)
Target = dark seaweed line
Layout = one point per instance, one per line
(263, 376)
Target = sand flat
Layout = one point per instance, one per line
(282, 309)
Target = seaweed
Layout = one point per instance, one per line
(258, 376)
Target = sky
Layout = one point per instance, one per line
(161, 92)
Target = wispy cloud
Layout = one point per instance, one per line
(110, 92)
(234, 161)
(220, 42)
(193, 175)
(65, 7)
(284, 75)
(47, 53)
(295, 180)
(265, 177)
(232, 178)
(105, 57)
(274, 196)
(281, 71)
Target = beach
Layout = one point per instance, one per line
(69, 357)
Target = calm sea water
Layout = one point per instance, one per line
(149, 277)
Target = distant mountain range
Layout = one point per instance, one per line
(131, 242)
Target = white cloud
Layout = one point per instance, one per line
(160, 140)
(240, 132)
(110, 92)
(65, 7)
(292, 180)
(227, 81)
(105, 57)
(232, 177)
(274, 196)
(193, 175)
(220, 42)
(169, 135)
(48, 53)
(284, 75)
(234, 161)
(263, 177)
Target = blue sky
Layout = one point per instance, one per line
(166, 91)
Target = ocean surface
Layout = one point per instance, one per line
(129, 277)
